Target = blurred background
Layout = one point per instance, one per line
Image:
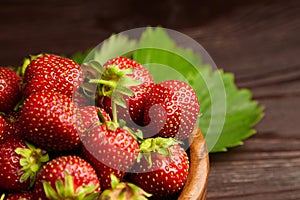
(257, 40)
(30, 26)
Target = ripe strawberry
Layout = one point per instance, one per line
(52, 73)
(10, 89)
(125, 73)
(48, 120)
(19, 165)
(171, 110)
(20, 196)
(87, 118)
(66, 177)
(13, 129)
(80, 100)
(109, 149)
(2, 127)
(162, 167)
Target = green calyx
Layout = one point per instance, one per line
(123, 191)
(116, 83)
(66, 191)
(31, 161)
(159, 145)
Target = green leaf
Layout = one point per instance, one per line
(79, 57)
(116, 45)
(227, 113)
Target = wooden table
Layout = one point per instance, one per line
(259, 41)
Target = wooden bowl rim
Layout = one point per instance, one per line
(195, 187)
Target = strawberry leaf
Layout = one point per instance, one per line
(79, 57)
(227, 113)
(117, 45)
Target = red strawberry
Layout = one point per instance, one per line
(20, 196)
(19, 164)
(67, 177)
(125, 73)
(171, 110)
(52, 73)
(48, 120)
(87, 118)
(2, 127)
(13, 129)
(10, 89)
(162, 169)
(80, 100)
(109, 150)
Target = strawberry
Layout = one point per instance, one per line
(66, 177)
(80, 100)
(123, 190)
(48, 120)
(12, 127)
(109, 148)
(52, 73)
(171, 110)
(87, 118)
(20, 196)
(19, 164)
(110, 151)
(10, 89)
(2, 127)
(120, 75)
(162, 167)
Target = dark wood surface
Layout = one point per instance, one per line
(259, 41)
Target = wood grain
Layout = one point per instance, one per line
(260, 44)
(256, 40)
(195, 187)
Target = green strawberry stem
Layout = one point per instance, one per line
(2, 197)
(114, 112)
(123, 191)
(31, 161)
(112, 125)
(66, 190)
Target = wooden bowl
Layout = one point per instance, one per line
(195, 187)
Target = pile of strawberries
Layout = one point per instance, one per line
(92, 131)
